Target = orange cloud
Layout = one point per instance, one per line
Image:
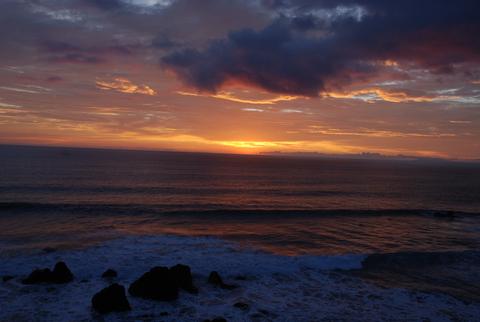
(230, 97)
(123, 85)
(316, 129)
(374, 94)
(390, 63)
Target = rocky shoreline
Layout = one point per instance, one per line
(170, 278)
(158, 284)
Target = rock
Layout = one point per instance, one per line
(111, 299)
(146, 317)
(109, 273)
(163, 284)
(60, 274)
(219, 319)
(241, 306)
(183, 276)
(38, 276)
(215, 279)
(156, 284)
(7, 278)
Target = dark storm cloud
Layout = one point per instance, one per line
(306, 51)
(274, 59)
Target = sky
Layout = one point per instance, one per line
(250, 76)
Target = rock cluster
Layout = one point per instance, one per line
(159, 283)
(163, 283)
(60, 274)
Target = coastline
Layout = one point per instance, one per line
(275, 287)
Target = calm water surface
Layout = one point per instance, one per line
(59, 197)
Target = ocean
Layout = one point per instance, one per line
(251, 214)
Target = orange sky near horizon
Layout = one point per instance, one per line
(167, 116)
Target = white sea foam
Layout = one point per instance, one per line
(277, 288)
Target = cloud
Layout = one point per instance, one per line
(375, 94)
(64, 52)
(230, 97)
(6, 105)
(334, 51)
(125, 86)
(105, 4)
(375, 133)
(54, 79)
(249, 109)
(20, 90)
(164, 42)
(460, 122)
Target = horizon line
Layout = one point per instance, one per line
(278, 154)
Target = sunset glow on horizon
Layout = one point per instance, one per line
(246, 77)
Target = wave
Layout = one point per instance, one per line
(175, 190)
(280, 288)
(215, 210)
(408, 260)
(451, 272)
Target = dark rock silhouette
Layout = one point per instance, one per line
(163, 284)
(216, 320)
(241, 305)
(215, 279)
(109, 273)
(111, 299)
(60, 274)
(183, 276)
(156, 284)
(39, 276)
(6, 278)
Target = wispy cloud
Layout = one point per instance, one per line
(316, 129)
(20, 90)
(459, 122)
(124, 85)
(253, 110)
(377, 94)
(291, 110)
(230, 97)
(6, 105)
